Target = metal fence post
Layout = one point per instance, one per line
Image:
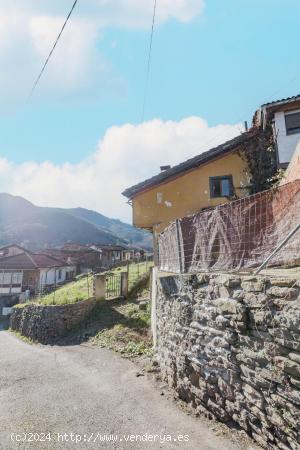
(124, 284)
(279, 247)
(179, 250)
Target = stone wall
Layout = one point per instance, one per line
(230, 346)
(45, 324)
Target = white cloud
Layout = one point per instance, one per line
(28, 29)
(126, 155)
(122, 13)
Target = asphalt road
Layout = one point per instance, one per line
(90, 393)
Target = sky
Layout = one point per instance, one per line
(80, 139)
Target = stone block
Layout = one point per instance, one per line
(226, 389)
(282, 282)
(289, 319)
(256, 300)
(283, 292)
(294, 357)
(295, 382)
(230, 306)
(292, 395)
(202, 279)
(253, 395)
(292, 345)
(260, 440)
(253, 285)
(262, 319)
(218, 411)
(225, 292)
(294, 445)
(288, 366)
(238, 294)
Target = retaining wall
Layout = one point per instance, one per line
(45, 324)
(230, 346)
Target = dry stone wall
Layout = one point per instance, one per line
(45, 324)
(230, 346)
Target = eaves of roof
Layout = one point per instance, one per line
(282, 101)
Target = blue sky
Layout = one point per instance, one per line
(219, 64)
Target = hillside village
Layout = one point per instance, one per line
(222, 297)
(149, 225)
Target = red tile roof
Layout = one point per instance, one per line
(30, 261)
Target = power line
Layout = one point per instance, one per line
(52, 50)
(149, 60)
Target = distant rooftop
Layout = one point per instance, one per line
(30, 261)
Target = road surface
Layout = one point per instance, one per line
(57, 395)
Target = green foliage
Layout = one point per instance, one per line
(73, 292)
(135, 349)
(23, 338)
(124, 327)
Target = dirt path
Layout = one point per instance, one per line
(89, 392)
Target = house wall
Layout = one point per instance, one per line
(49, 277)
(11, 282)
(230, 347)
(293, 171)
(286, 143)
(188, 193)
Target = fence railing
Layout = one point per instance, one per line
(237, 235)
(113, 285)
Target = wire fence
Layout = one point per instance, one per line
(81, 288)
(234, 236)
(138, 269)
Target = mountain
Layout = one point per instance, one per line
(134, 236)
(23, 222)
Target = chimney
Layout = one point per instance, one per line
(246, 125)
(163, 168)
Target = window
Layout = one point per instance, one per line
(292, 122)
(221, 186)
(59, 274)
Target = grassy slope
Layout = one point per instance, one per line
(119, 325)
(82, 288)
(76, 291)
(124, 328)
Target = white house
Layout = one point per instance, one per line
(284, 115)
(32, 272)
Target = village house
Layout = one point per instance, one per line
(284, 118)
(111, 255)
(11, 250)
(242, 166)
(32, 272)
(84, 258)
(214, 177)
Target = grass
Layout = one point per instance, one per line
(82, 287)
(137, 270)
(76, 291)
(119, 325)
(23, 338)
(124, 328)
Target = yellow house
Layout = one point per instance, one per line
(207, 180)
